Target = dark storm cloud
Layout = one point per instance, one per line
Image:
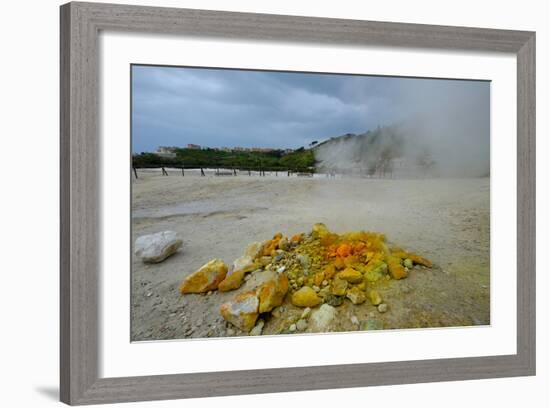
(177, 106)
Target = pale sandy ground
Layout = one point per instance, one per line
(445, 220)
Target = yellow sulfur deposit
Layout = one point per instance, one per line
(272, 293)
(233, 281)
(351, 275)
(309, 269)
(207, 278)
(305, 297)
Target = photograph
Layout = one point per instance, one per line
(305, 203)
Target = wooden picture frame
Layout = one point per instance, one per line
(80, 234)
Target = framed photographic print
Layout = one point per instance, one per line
(259, 203)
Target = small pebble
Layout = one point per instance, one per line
(292, 328)
(306, 313)
(316, 288)
(149, 294)
(281, 269)
(230, 332)
(382, 308)
(324, 283)
(355, 320)
(209, 293)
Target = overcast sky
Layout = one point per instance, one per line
(175, 106)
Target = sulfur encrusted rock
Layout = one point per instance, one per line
(338, 287)
(272, 293)
(155, 248)
(397, 271)
(305, 297)
(351, 275)
(232, 281)
(208, 277)
(356, 295)
(244, 263)
(241, 266)
(253, 250)
(242, 311)
(375, 297)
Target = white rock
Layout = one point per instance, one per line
(306, 312)
(321, 318)
(301, 325)
(292, 327)
(257, 330)
(382, 308)
(154, 248)
(355, 320)
(244, 262)
(253, 250)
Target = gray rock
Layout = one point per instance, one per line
(155, 248)
(301, 325)
(306, 313)
(292, 328)
(257, 330)
(304, 260)
(321, 318)
(334, 300)
(355, 320)
(382, 308)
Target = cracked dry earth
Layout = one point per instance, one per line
(446, 221)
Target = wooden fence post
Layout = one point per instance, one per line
(135, 172)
